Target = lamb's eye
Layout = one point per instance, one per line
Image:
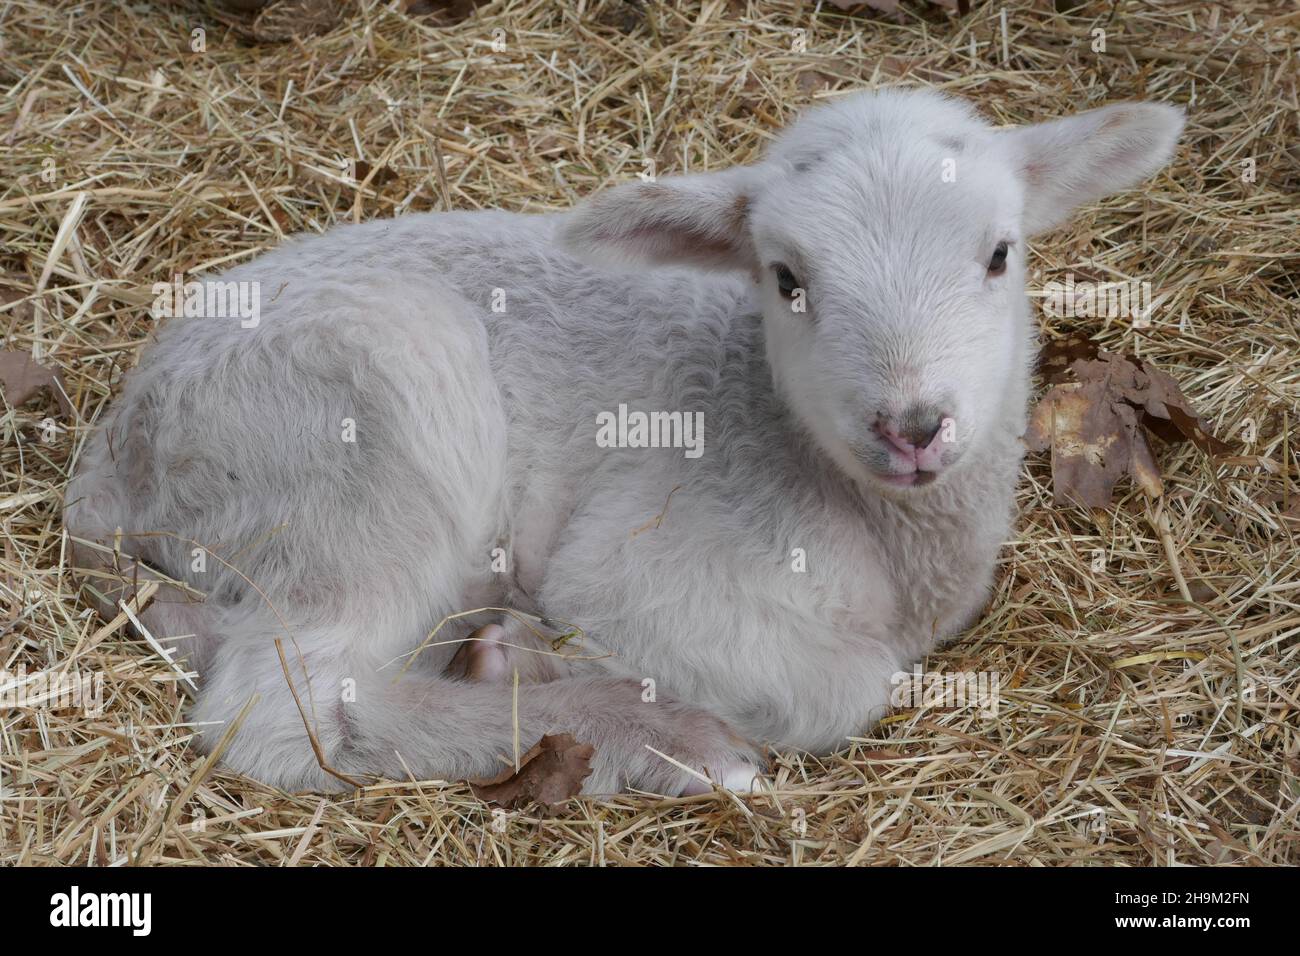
(998, 264)
(785, 280)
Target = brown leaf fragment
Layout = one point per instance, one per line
(1194, 429)
(1090, 420)
(21, 312)
(811, 81)
(21, 377)
(378, 177)
(1056, 357)
(1094, 442)
(1202, 591)
(624, 17)
(551, 772)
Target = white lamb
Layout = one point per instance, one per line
(848, 315)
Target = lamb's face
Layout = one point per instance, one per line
(886, 234)
(892, 285)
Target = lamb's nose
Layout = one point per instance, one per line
(915, 429)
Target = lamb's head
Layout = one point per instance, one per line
(886, 233)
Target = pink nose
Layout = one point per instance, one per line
(913, 431)
(917, 435)
(911, 440)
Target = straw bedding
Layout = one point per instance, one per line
(1134, 727)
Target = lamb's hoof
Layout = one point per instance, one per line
(736, 777)
(481, 658)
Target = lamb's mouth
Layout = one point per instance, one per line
(877, 462)
(910, 479)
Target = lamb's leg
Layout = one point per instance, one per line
(483, 656)
(432, 727)
(494, 653)
(499, 651)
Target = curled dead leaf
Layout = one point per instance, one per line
(812, 81)
(1094, 442)
(550, 772)
(1096, 416)
(21, 377)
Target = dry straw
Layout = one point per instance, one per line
(1135, 727)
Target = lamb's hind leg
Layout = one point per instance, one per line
(311, 689)
(513, 647)
(495, 653)
(483, 656)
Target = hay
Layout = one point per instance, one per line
(1121, 737)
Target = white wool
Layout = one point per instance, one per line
(473, 353)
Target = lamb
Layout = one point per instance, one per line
(408, 432)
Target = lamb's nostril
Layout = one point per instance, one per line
(923, 435)
(915, 432)
(920, 424)
(889, 433)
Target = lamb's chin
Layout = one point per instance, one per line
(897, 488)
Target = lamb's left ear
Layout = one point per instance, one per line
(700, 220)
(1068, 162)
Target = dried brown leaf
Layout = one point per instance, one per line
(1094, 441)
(551, 772)
(21, 377)
(1056, 357)
(22, 312)
(1090, 420)
(811, 81)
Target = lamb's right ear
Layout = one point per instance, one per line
(700, 220)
